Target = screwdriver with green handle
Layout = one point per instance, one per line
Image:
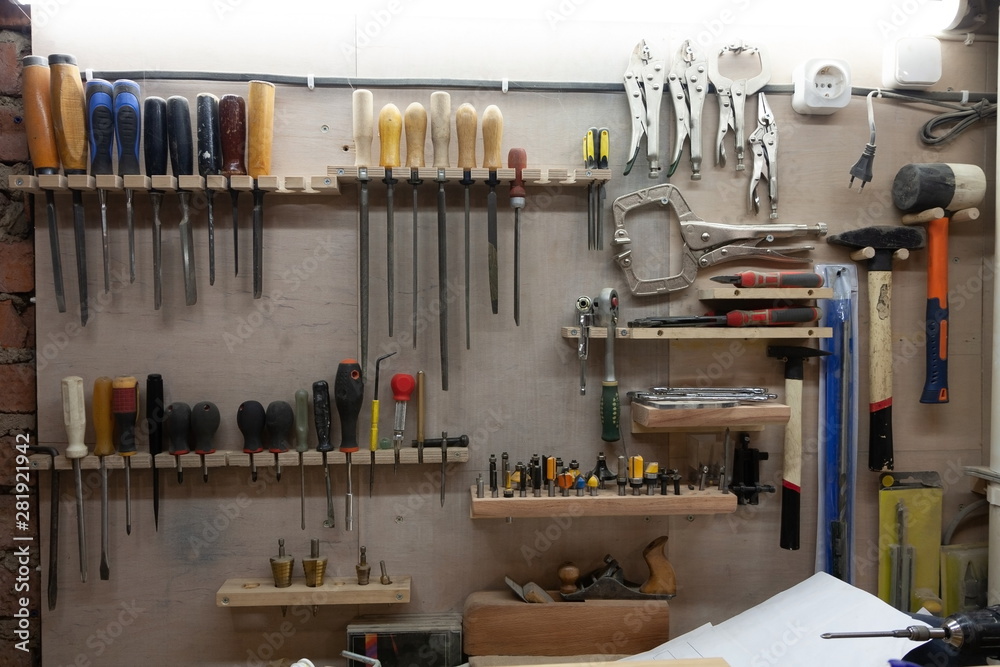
(606, 311)
(101, 133)
(302, 443)
(128, 128)
(348, 392)
(103, 447)
(75, 420)
(125, 408)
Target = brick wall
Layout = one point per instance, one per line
(17, 339)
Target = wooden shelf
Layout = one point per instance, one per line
(704, 333)
(532, 176)
(681, 419)
(325, 184)
(231, 458)
(260, 592)
(766, 293)
(607, 502)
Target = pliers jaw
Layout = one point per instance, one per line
(644, 88)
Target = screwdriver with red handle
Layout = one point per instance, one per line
(747, 279)
(348, 392)
(178, 425)
(205, 420)
(279, 420)
(250, 420)
(125, 408)
(735, 318)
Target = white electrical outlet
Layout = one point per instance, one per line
(822, 86)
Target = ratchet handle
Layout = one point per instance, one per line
(610, 412)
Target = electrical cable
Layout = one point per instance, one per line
(959, 121)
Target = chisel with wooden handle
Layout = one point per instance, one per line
(390, 129)
(466, 124)
(260, 137)
(233, 126)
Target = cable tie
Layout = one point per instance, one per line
(89, 74)
(311, 81)
(965, 97)
(504, 87)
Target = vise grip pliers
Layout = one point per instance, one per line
(733, 95)
(764, 146)
(705, 243)
(644, 87)
(688, 87)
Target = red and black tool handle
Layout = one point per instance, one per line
(178, 427)
(321, 410)
(348, 392)
(205, 420)
(250, 420)
(747, 279)
(280, 418)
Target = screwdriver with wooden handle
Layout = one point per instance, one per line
(466, 124)
(209, 162)
(154, 148)
(182, 162)
(302, 444)
(103, 447)
(492, 139)
(233, 128)
(205, 420)
(75, 420)
(128, 128)
(260, 137)
(415, 127)
(390, 129)
(517, 159)
(348, 392)
(101, 133)
(69, 119)
(441, 142)
(37, 88)
(125, 408)
(363, 110)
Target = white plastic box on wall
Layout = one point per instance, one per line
(912, 62)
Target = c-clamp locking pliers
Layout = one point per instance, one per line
(644, 87)
(705, 243)
(733, 96)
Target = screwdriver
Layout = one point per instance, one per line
(390, 129)
(494, 488)
(103, 446)
(279, 420)
(250, 420)
(466, 124)
(101, 132)
(154, 147)
(321, 409)
(155, 416)
(348, 392)
(373, 440)
(260, 136)
(402, 388)
(517, 159)
(590, 162)
(209, 163)
(125, 408)
(205, 420)
(182, 163)
(772, 279)
(233, 129)
(75, 419)
(178, 426)
(302, 443)
(128, 127)
(37, 78)
(415, 126)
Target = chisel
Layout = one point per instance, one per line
(205, 420)
(321, 410)
(233, 127)
(390, 128)
(260, 137)
(37, 88)
(103, 447)
(101, 133)
(415, 127)
(125, 408)
(182, 162)
(178, 423)
(348, 392)
(154, 147)
(517, 159)
(250, 420)
(209, 163)
(75, 419)
(155, 415)
(363, 122)
(53, 585)
(466, 125)
(128, 128)
(279, 420)
(492, 139)
(441, 142)
(302, 444)
(69, 120)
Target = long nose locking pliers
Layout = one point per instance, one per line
(705, 243)
(732, 98)
(644, 87)
(688, 86)
(764, 146)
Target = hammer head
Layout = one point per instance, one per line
(884, 239)
(794, 357)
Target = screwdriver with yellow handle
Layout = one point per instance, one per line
(75, 419)
(37, 90)
(103, 446)
(125, 408)
(373, 439)
(260, 137)
(390, 130)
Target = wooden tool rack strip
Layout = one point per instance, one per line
(606, 502)
(261, 592)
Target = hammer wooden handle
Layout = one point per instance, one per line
(791, 469)
(880, 451)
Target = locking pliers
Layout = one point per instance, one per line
(732, 98)
(705, 243)
(644, 87)
(764, 146)
(688, 86)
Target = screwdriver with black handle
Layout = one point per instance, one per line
(37, 90)
(348, 392)
(324, 445)
(205, 420)
(233, 129)
(250, 419)
(103, 447)
(302, 444)
(279, 420)
(75, 420)
(178, 428)
(260, 137)
(101, 132)
(128, 128)
(154, 147)
(156, 413)
(209, 163)
(69, 119)
(182, 162)
(125, 408)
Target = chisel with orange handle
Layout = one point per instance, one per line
(69, 118)
(75, 420)
(37, 88)
(260, 137)
(747, 279)
(390, 130)
(103, 446)
(125, 408)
